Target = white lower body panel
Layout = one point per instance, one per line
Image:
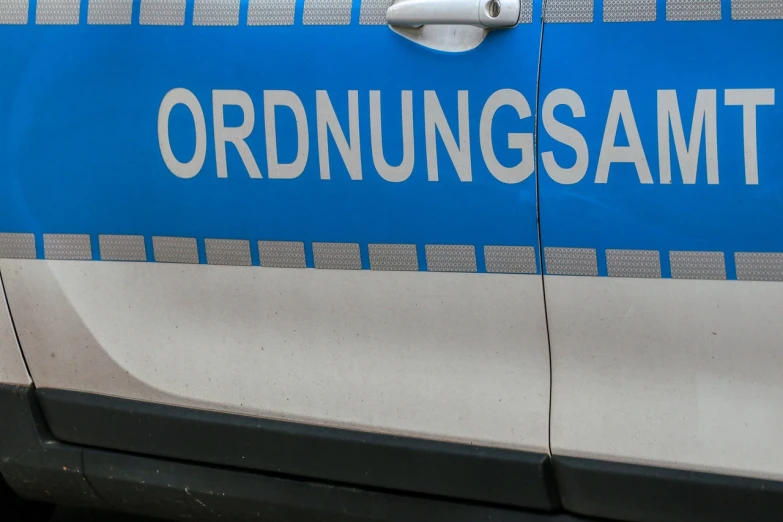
(12, 366)
(675, 373)
(457, 357)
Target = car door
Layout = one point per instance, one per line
(660, 224)
(287, 212)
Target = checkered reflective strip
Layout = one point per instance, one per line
(451, 258)
(67, 246)
(17, 246)
(57, 12)
(271, 12)
(109, 12)
(697, 265)
(571, 261)
(757, 9)
(693, 10)
(162, 12)
(526, 11)
(629, 10)
(14, 12)
(370, 12)
(228, 252)
(373, 12)
(501, 259)
(633, 263)
(337, 256)
(393, 257)
(759, 266)
(122, 248)
(327, 12)
(565, 11)
(510, 259)
(167, 249)
(216, 12)
(282, 254)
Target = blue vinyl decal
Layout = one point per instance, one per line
(656, 141)
(665, 136)
(89, 146)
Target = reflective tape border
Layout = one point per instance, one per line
(221, 13)
(498, 259)
(502, 259)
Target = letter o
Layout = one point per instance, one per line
(192, 167)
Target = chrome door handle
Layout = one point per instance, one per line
(490, 14)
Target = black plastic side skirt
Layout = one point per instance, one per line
(37, 467)
(40, 468)
(184, 491)
(636, 493)
(461, 472)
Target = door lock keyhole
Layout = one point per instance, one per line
(493, 8)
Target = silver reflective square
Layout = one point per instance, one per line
(327, 12)
(282, 254)
(122, 248)
(228, 252)
(109, 12)
(337, 256)
(633, 263)
(393, 257)
(67, 246)
(57, 12)
(571, 261)
(167, 249)
(271, 12)
(162, 12)
(565, 11)
(697, 265)
(17, 246)
(630, 10)
(451, 258)
(510, 259)
(373, 12)
(757, 9)
(14, 12)
(216, 12)
(759, 266)
(694, 10)
(526, 12)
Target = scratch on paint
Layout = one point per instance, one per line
(194, 498)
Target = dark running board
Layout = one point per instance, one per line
(636, 493)
(38, 467)
(616, 491)
(401, 464)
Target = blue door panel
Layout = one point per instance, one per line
(80, 151)
(634, 67)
